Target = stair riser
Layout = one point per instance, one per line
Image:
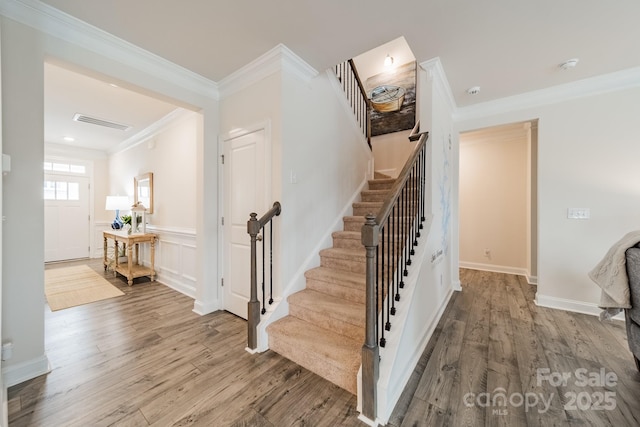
(350, 294)
(374, 197)
(332, 324)
(380, 185)
(292, 351)
(343, 264)
(353, 225)
(365, 210)
(339, 242)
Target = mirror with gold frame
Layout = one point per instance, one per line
(143, 190)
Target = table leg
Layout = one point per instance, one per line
(153, 259)
(129, 265)
(104, 249)
(115, 255)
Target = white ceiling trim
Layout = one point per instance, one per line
(280, 58)
(434, 68)
(587, 87)
(52, 21)
(150, 131)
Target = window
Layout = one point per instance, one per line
(61, 190)
(65, 167)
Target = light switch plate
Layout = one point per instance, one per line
(578, 213)
(6, 163)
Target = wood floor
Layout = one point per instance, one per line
(146, 359)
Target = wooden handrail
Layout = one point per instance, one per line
(254, 225)
(384, 212)
(356, 94)
(389, 240)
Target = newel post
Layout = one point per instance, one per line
(253, 306)
(370, 358)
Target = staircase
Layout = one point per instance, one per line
(324, 330)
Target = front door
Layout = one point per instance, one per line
(66, 217)
(247, 177)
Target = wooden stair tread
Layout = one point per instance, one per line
(330, 306)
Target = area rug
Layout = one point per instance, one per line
(77, 285)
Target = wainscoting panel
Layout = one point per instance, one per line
(97, 244)
(175, 259)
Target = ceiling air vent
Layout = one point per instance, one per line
(99, 122)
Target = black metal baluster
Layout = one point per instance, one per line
(389, 281)
(424, 177)
(394, 263)
(377, 293)
(407, 236)
(270, 262)
(383, 341)
(416, 216)
(264, 267)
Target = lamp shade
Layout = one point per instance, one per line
(115, 203)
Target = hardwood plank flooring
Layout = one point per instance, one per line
(146, 359)
(493, 341)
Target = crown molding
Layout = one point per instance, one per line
(605, 83)
(280, 58)
(150, 131)
(436, 73)
(56, 23)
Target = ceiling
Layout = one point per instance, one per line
(506, 47)
(68, 92)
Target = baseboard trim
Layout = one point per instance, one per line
(21, 372)
(206, 307)
(495, 268)
(571, 305)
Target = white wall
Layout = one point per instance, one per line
(371, 62)
(23, 254)
(391, 151)
(587, 157)
(314, 137)
(493, 198)
(428, 289)
(331, 160)
(23, 55)
(171, 156)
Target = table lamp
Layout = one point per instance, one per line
(115, 203)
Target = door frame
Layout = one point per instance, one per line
(223, 187)
(89, 173)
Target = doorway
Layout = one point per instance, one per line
(498, 199)
(66, 212)
(247, 187)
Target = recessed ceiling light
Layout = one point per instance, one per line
(473, 90)
(567, 65)
(68, 138)
(388, 61)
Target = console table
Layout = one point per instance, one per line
(132, 268)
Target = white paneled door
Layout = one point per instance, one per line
(247, 174)
(66, 217)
